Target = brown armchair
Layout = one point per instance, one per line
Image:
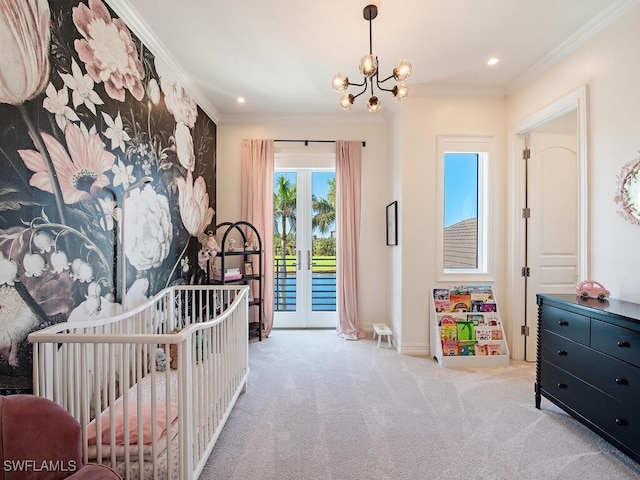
(40, 440)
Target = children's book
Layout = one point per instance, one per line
(466, 348)
(481, 349)
(496, 334)
(460, 302)
(476, 319)
(448, 328)
(466, 330)
(441, 294)
(492, 319)
(450, 348)
(483, 333)
(494, 349)
(488, 307)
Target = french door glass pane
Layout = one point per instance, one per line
(323, 234)
(285, 214)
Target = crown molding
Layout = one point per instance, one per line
(448, 91)
(134, 21)
(342, 118)
(604, 18)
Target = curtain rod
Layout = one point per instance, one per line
(306, 142)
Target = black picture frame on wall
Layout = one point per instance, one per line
(392, 223)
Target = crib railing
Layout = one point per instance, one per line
(110, 372)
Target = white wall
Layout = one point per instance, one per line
(374, 268)
(423, 119)
(609, 65)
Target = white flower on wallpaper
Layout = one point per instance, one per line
(149, 228)
(115, 132)
(184, 146)
(177, 100)
(57, 103)
(122, 175)
(193, 200)
(82, 88)
(8, 271)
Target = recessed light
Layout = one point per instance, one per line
(240, 99)
(493, 61)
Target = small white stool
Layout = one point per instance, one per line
(381, 330)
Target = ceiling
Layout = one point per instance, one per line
(282, 54)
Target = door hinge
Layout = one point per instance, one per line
(524, 330)
(526, 213)
(526, 272)
(526, 154)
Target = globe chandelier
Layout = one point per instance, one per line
(369, 70)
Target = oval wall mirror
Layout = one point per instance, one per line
(628, 194)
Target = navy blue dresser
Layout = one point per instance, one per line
(588, 364)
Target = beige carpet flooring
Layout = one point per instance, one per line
(320, 407)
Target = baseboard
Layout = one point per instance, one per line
(414, 349)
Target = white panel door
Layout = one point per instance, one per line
(552, 232)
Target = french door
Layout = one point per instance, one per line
(304, 248)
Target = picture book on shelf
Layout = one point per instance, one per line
(441, 299)
(450, 348)
(448, 328)
(475, 318)
(441, 294)
(466, 348)
(465, 330)
(483, 333)
(460, 302)
(488, 307)
(491, 319)
(494, 349)
(481, 349)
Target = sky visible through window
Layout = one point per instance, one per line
(460, 187)
(319, 187)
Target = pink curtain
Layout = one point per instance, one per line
(257, 158)
(348, 172)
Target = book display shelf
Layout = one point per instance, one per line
(466, 328)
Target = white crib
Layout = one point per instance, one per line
(105, 374)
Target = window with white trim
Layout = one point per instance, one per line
(463, 165)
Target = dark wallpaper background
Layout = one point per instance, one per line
(87, 112)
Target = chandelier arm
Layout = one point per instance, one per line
(363, 90)
(388, 78)
(358, 84)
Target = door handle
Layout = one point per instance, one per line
(308, 259)
(298, 260)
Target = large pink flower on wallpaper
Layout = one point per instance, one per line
(193, 200)
(109, 54)
(80, 171)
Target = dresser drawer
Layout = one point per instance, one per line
(612, 376)
(567, 324)
(616, 341)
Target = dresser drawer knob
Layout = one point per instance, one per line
(621, 421)
(624, 344)
(563, 323)
(622, 381)
(562, 385)
(562, 353)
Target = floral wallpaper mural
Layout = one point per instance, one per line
(88, 116)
